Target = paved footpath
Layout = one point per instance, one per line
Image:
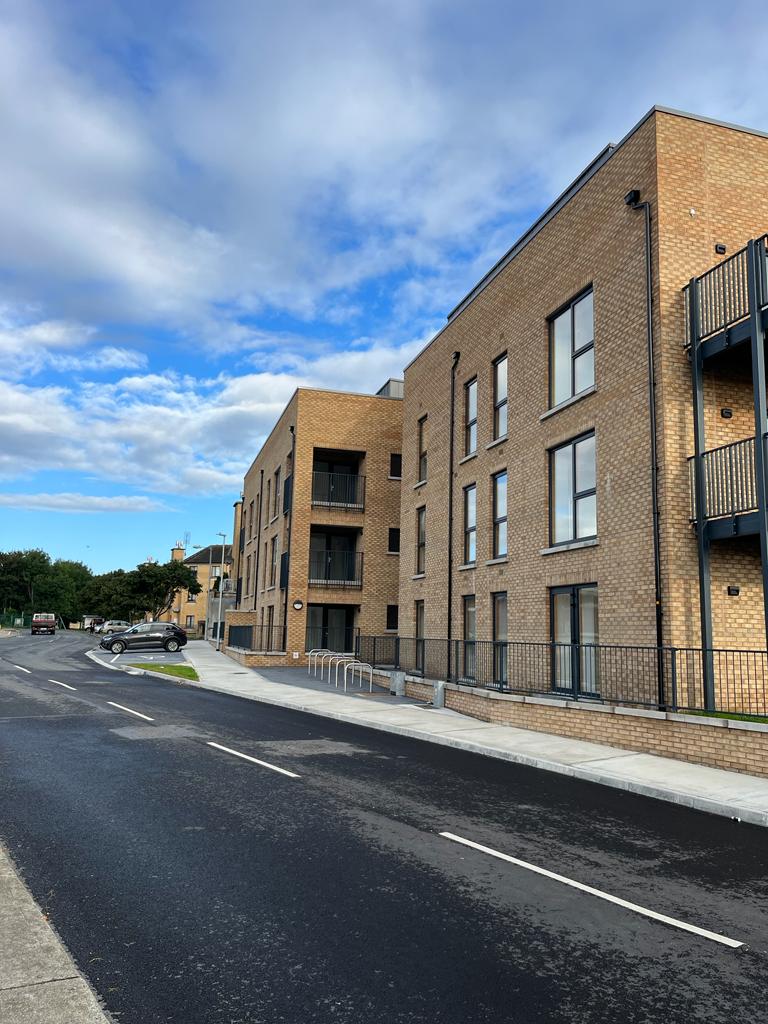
(39, 983)
(730, 794)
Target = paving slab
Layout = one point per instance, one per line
(708, 789)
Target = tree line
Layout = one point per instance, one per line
(30, 581)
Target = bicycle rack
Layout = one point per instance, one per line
(315, 653)
(355, 665)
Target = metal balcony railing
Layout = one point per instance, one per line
(729, 480)
(335, 569)
(722, 295)
(338, 490)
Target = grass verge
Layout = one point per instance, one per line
(181, 671)
(727, 714)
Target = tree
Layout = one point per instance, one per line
(156, 586)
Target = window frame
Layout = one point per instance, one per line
(276, 495)
(421, 540)
(390, 531)
(421, 428)
(469, 644)
(399, 456)
(496, 520)
(470, 422)
(390, 628)
(470, 531)
(575, 353)
(273, 560)
(575, 495)
(500, 643)
(500, 403)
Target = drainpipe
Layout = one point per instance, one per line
(632, 199)
(456, 356)
(258, 541)
(288, 538)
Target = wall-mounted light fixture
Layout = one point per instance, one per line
(733, 591)
(726, 413)
(720, 249)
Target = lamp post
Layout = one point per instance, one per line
(221, 595)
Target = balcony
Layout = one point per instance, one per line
(335, 569)
(729, 483)
(338, 490)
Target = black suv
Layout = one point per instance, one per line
(146, 634)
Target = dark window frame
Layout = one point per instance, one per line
(399, 457)
(276, 495)
(470, 532)
(470, 422)
(500, 644)
(469, 644)
(388, 620)
(393, 530)
(575, 495)
(497, 520)
(500, 403)
(575, 353)
(421, 435)
(576, 667)
(273, 560)
(421, 540)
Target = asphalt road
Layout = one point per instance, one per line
(197, 887)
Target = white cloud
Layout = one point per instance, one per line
(63, 502)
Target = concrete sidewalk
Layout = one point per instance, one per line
(730, 794)
(39, 982)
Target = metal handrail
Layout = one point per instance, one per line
(338, 490)
(722, 294)
(729, 480)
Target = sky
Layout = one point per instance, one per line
(205, 204)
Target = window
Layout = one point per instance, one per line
(266, 563)
(191, 598)
(500, 515)
(468, 667)
(421, 539)
(572, 350)
(574, 635)
(500, 397)
(250, 522)
(190, 622)
(392, 616)
(499, 608)
(573, 506)
(393, 544)
(422, 434)
(470, 524)
(470, 417)
(270, 627)
(273, 563)
(396, 465)
(276, 495)
(418, 614)
(269, 498)
(248, 574)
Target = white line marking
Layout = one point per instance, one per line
(115, 658)
(22, 669)
(255, 760)
(130, 712)
(66, 685)
(596, 892)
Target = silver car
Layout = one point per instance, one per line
(113, 626)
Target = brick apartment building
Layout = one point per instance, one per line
(190, 611)
(531, 509)
(317, 528)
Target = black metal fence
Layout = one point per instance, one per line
(668, 677)
(338, 490)
(256, 638)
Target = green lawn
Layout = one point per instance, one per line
(181, 671)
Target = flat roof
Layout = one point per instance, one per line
(576, 185)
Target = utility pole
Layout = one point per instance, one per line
(221, 594)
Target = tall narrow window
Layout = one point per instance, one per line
(499, 605)
(573, 500)
(393, 543)
(418, 615)
(250, 522)
(572, 350)
(500, 391)
(470, 636)
(276, 496)
(248, 574)
(273, 563)
(395, 465)
(470, 524)
(392, 617)
(266, 566)
(421, 540)
(470, 417)
(422, 435)
(500, 515)
(269, 492)
(574, 633)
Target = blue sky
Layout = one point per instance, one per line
(204, 205)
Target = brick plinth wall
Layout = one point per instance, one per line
(715, 742)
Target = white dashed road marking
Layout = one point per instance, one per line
(255, 760)
(723, 939)
(22, 669)
(130, 711)
(65, 685)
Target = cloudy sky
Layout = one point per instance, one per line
(204, 204)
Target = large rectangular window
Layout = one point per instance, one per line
(470, 524)
(470, 417)
(573, 498)
(575, 635)
(500, 397)
(421, 540)
(470, 636)
(500, 515)
(422, 436)
(572, 350)
(500, 634)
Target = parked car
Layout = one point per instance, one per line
(114, 626)
(43, 622)
(146, 634)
